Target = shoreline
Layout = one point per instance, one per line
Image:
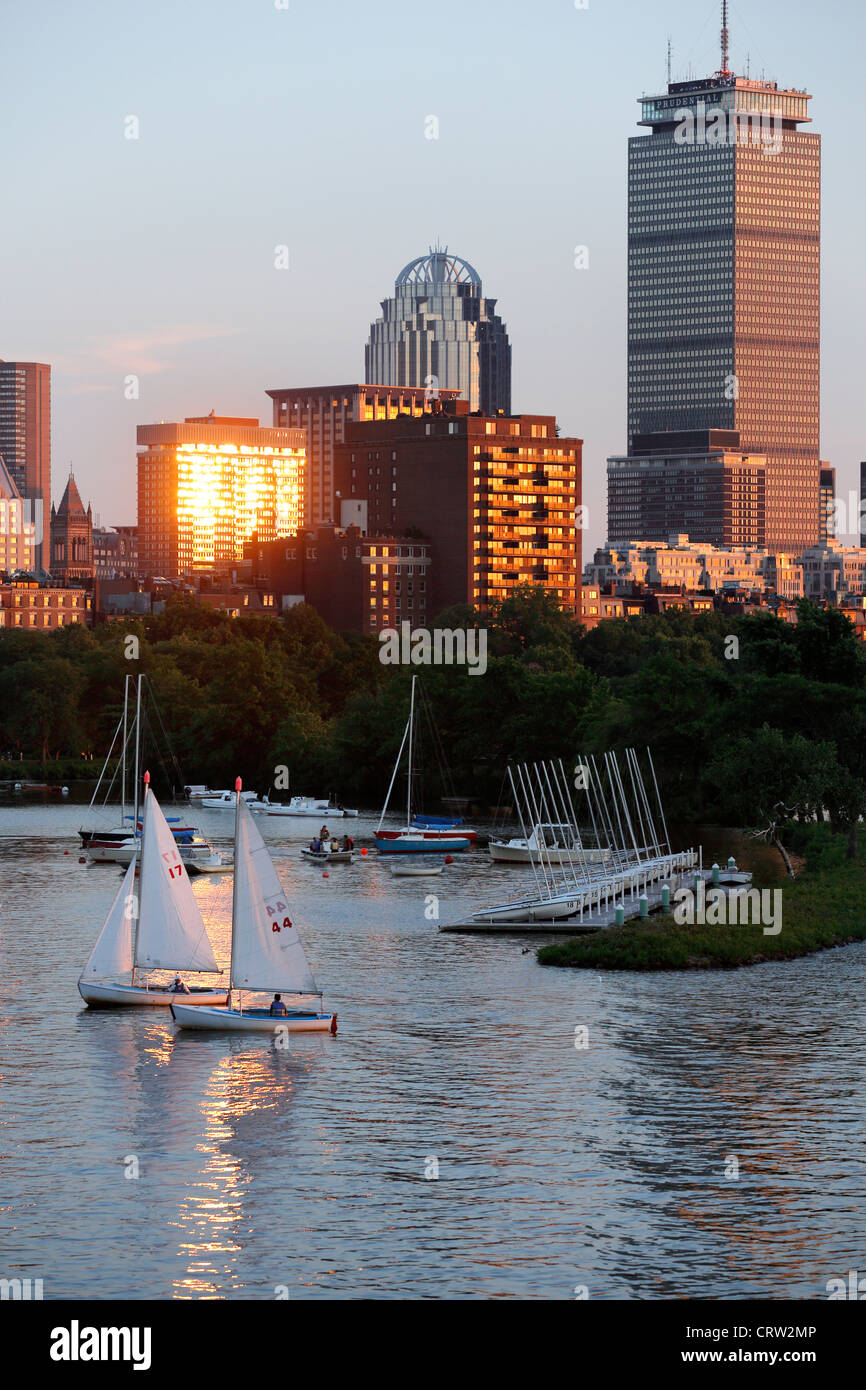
(823, 908)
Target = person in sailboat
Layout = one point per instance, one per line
(278, 1008)
(179, 986)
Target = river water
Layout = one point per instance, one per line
(708, 1143)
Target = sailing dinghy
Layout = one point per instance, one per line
(267, 954)
(162, 930)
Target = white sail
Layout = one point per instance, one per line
(112, 954)
(266, 950)
(171, 932)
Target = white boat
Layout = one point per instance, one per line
(309, 806)
(328, 856)
(198, 854)
(161, 930)
(225, 801)
(267, 953)
(215, 863)
(533, 912)
(403, 870)
(551, 841)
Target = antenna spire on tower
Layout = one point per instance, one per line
(725, 68)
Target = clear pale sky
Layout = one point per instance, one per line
(305, 126)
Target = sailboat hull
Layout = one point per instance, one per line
(254, 1021)
(99, 996)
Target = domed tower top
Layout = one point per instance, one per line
(438, 330)
(438, 268)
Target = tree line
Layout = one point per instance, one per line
(749, 718)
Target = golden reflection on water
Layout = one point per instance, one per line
(210, 1215)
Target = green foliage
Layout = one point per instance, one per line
(820, 909)
(785, 723)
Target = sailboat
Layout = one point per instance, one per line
(161, 930)
(117, 846)
(267, 954)
(424, 835)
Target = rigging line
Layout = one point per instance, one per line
(438, 745)
(518, 801)
(712, 11)
(750, 35)
(166, 740)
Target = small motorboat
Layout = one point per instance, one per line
(197, 853)
(225, 801)
(267, 952)
(329, 856)
(309, 806)
(548, 843)
(405, 870)
(214, 863)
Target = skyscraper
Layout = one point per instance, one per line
(724, 279)
(438, 330)
(25, 441)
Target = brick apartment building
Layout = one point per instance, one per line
(495, 498)
(356, 582)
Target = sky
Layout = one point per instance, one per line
(303, 123)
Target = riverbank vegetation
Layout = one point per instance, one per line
(821, 908)
(762, 739)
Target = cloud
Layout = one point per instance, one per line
(143, 354)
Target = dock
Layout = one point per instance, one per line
(597, 917)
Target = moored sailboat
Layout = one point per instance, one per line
(423, 835)
(162, 929)
(267, 953)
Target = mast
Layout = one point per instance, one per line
(409, 775)
(725, 69)
(123, 758)
(393, 779)
(141, 862)
(137, 751)
(238, 789)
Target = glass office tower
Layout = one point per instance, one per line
(724, 278)
(439, 330)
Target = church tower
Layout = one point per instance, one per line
(71, 537)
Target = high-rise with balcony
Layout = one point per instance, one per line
(438, 330)
(724, 281)
(496, 498)
(25, 442)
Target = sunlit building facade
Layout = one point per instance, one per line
(25, 442)
(206, 486)
(17, 531)
(724, 282)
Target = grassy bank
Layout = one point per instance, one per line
(825, 906)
